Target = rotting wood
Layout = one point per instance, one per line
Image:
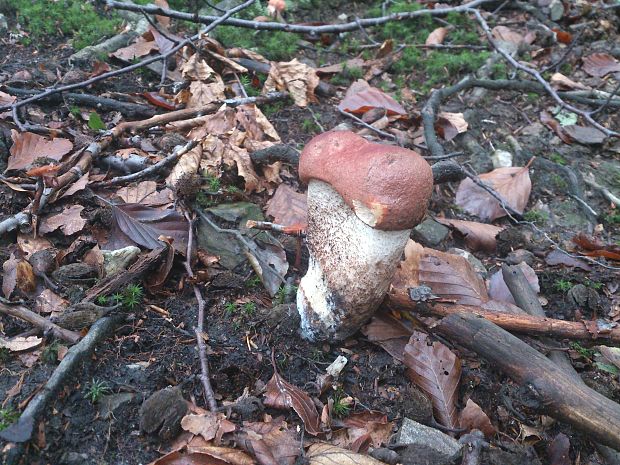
(558, 395)
(40, 322)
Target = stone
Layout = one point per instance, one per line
(115, 261)
(473, 261)
(430, 233)
(4, 25)
(501, 159)
(419, 435)
(520, 255)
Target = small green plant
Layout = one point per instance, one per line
(232, 189)
(272, 109)
(95, 122)
(249, 308)
(132, 296)
(581, 350)
(309, 126)
(75, 111)
(596, 285)
(558, 182)
(7, 417)
(117, 298)
(316, 355)
(353, 72)
(500, 70)
(4, 354)
(246, 82)
(102, 300)
(557, 158)
(536, 216)
(230, 308)
(342, 406)
(254, 281)
(204, 200)
(613, 218)
(50, 353)
(96, 389)
(562, 285)
(213, 182)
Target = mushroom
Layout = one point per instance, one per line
(363, 200)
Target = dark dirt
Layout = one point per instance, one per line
(152, 352)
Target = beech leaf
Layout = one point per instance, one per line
(498, 290)
(478, 236)
(27, 147)
(361, 97)
(288, 207)
(600, 64)
(513, 184)
(473, 417)
(437, 371)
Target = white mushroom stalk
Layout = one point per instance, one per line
(363, 200)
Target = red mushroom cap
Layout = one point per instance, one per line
(387, 187)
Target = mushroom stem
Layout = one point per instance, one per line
(350, 269)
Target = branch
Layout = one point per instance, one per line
(37, 320)
(297, 28)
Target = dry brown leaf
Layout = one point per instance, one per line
(220, 123)
(557, 257)
(361, 97)
(272, 442)
(297, 78)
(498, 290)
(280, 394)
(29, 245)
(6, 99)
(600, 64)
(196, 69)
(449, 276)
(548, 120)
(369, 424)
(478, 236)
(389, 333)
(513, 184)
(449, 125)
(28, 147)
(558, 450)
(17, 274)
(256, 125)
(437, 371)
(214, 455)
(327, 454)
(473, 417)
(50, 302)
(561, 82)
(245, 169)
(141, 47)
(77, 186)
(20, 344)
(202, 94)
(510, 35)
(69, 221)
(339, 67)
(185, 167)
(288, 208)
(206, 424)
(437, 36)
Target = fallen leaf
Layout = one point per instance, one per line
(77, 186)
(69, 221)
(449, 276)
(272, 442)
(256, 125)
(50, 302)
(145, 193)
(559, 81)
(558, 450)
(288, 207)
(185, 167)
(600, 64)
(554, 125)
(558, 257)
(327, 454)
(449, 125)
(373, 425)
(28, 147)
(473, 417)
(498, 290)
(141, 47)
(17, 274)
(6, 99)
(29, 245)
(144, 225)
(297, 78)
(280, 394)
(20, 344)
(437, 371)
(437, 36)
(339, 67)
(585, 134)
(389, 333)
(202, 93)
(513, 184)
(478, 236)
(206, 424)
(506, 34)
(596, 248)
(361, 97)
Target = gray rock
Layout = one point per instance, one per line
(74, 458)
(430, 232)
(111, 402)
(115, 261)
(520, 255)
(412, 432)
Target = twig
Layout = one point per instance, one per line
(199, 329)
(536, 75)
(432, 46)
(298, 28)
(267, 226)
(37, 320)
(80, 85)
(366, 125)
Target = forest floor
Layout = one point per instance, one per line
(559, 175)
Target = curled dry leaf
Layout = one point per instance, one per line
(554, 125)
(185, 167)
(371, 425)
(28, 147)
(205, 425)
(512, 184)
(50, 302)
(69, 221)
(327, 454)
(478, 236)
(17, 274)
(297, 78)
(600, 64)
(361, 97)
(339, 67)
(498, 290)
(280, 394)
(561, 82)
(437, 371)
(437, 36)
(196, 69)
(29, 245)
(389, 333)
(272, 442)
(449, 125)
(20, 344)
(288, 208)
(473, 417)
(143, 45)
(201, 93)
(449, 276)
(146, 193)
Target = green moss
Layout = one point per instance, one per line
(64, 18)
(557, 158)
(536, 216)
(558, 182)
(500, 71)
